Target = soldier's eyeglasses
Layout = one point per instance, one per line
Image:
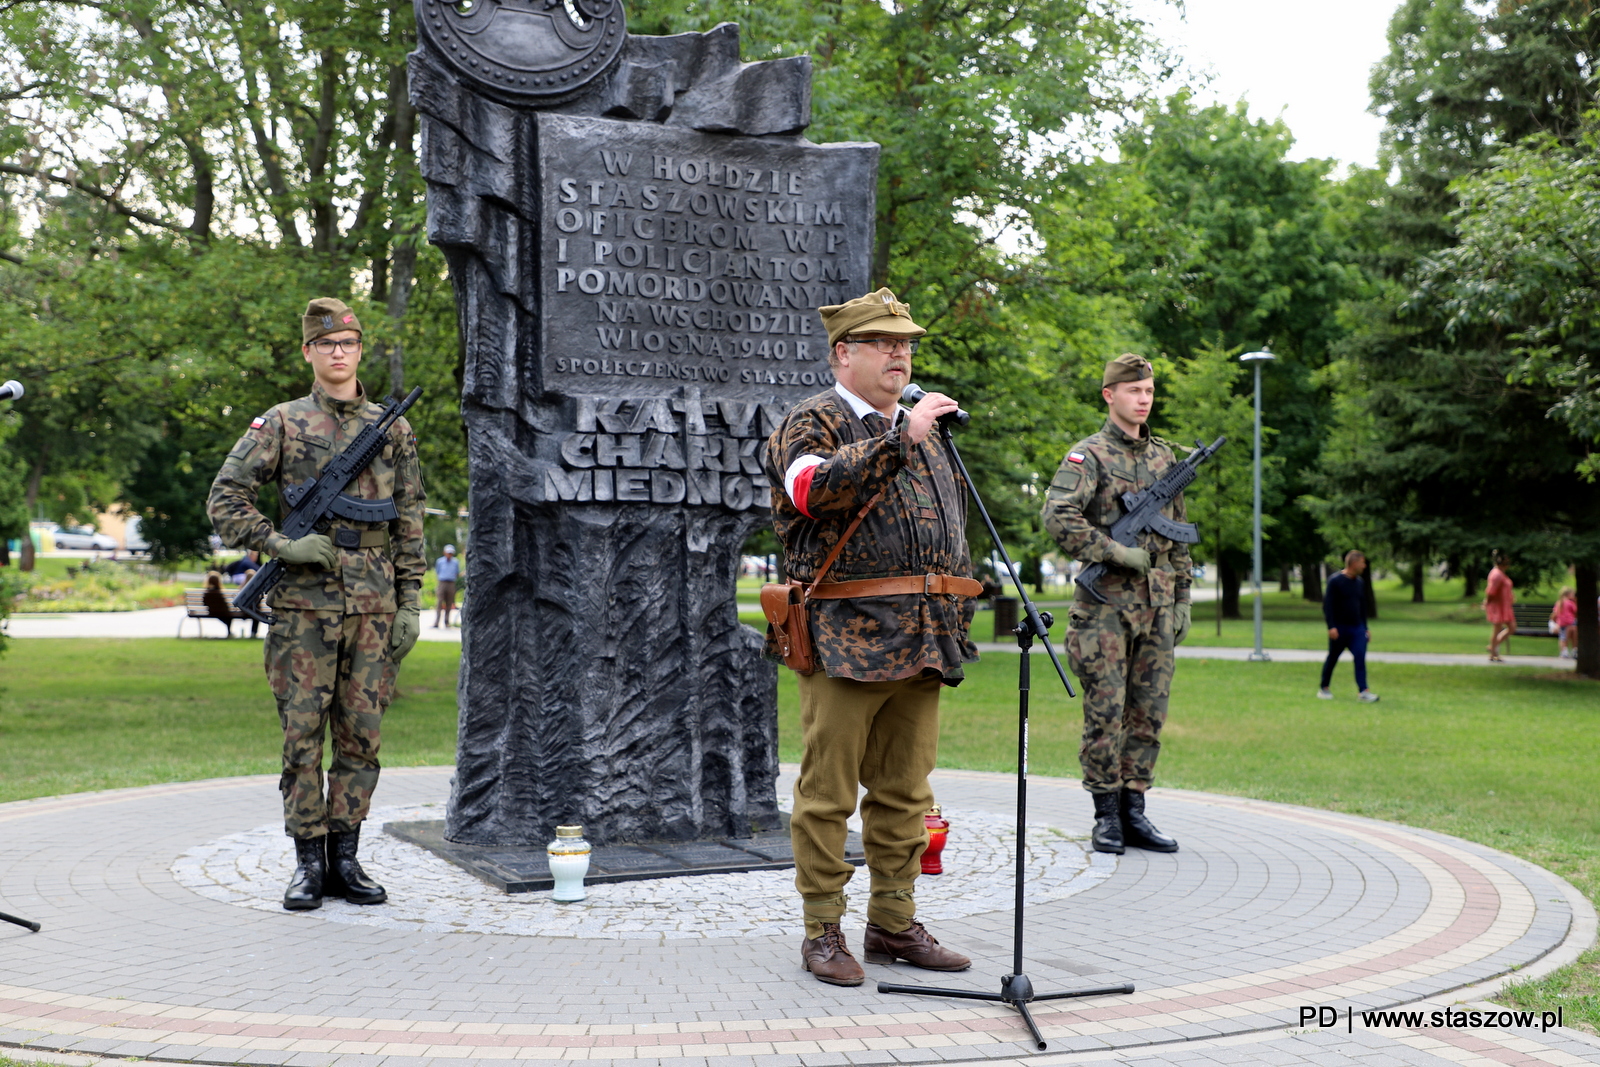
(349, 346)
(887, 346)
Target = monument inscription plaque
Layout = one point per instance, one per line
(638, 236)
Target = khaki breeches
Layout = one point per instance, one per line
(884, 736)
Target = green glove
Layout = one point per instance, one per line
(404, 631)
(312, 548)
(1182, 617)
(1135, 559)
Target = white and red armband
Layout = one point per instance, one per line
(797, 481)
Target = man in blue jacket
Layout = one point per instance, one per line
(1344, 610)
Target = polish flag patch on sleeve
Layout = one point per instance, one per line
(1076, 457)
(258, 422)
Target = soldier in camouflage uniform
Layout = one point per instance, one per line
(1122, 650)
(347, 610)
(889, 625)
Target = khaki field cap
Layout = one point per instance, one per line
(1126, 368)
(325, 315)
(877, 312)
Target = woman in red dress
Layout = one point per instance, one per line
(1564, 617)
(1497, 600)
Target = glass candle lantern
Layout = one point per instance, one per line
(569, 862)
(938, 832)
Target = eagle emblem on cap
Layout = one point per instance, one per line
(327, 322)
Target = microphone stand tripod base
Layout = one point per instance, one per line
(1016, 989)
(27, 924)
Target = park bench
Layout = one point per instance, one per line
(195, 608)
(1533, 620)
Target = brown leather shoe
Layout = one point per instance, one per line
(828, 957)
(916, 946)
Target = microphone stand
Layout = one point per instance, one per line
(1016, 989)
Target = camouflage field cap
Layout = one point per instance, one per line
(877, 312)
(1127, 368)
(326, 315)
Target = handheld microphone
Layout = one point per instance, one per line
(914, 392)
(11, 390)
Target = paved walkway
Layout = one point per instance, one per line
(1268, 913)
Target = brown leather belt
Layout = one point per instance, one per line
(924, 583)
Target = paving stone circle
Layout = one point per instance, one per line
(427, 894)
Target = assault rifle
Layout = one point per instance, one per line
(1142, 513)
(316, 501)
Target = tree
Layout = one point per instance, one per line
(1458, 85)
(1202, 402)
(197, 171)
(1524, 267)
(287, 120)
(1524, 263)
(1243, 248)
(267, 151)
(1430, 400)
(979, 106)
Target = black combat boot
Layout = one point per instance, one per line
(345, 876)
(1107, 835)
(1138, 831)
(311, 867)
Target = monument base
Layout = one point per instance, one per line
(526, 869)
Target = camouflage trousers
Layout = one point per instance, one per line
(1124, 658)
(325, 669)
(885, 736)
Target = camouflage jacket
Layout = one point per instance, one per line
(919, 527)
(292, 443)
(1085, 498)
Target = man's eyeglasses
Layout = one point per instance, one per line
(887, 346)
(349, 346)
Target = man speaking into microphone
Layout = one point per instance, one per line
(889, 623)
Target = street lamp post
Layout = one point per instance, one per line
(1256, 359)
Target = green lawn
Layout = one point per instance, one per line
(51, 566)
(1505, 757)
(89, 714)
(1445, 622)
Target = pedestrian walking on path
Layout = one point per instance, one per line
(1564, 617)
(1498, 598)
(1344, 610)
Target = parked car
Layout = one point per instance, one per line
(83, 537)
(133, 537)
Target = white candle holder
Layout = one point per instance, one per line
(569, 862)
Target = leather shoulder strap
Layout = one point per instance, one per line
(839, 545)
